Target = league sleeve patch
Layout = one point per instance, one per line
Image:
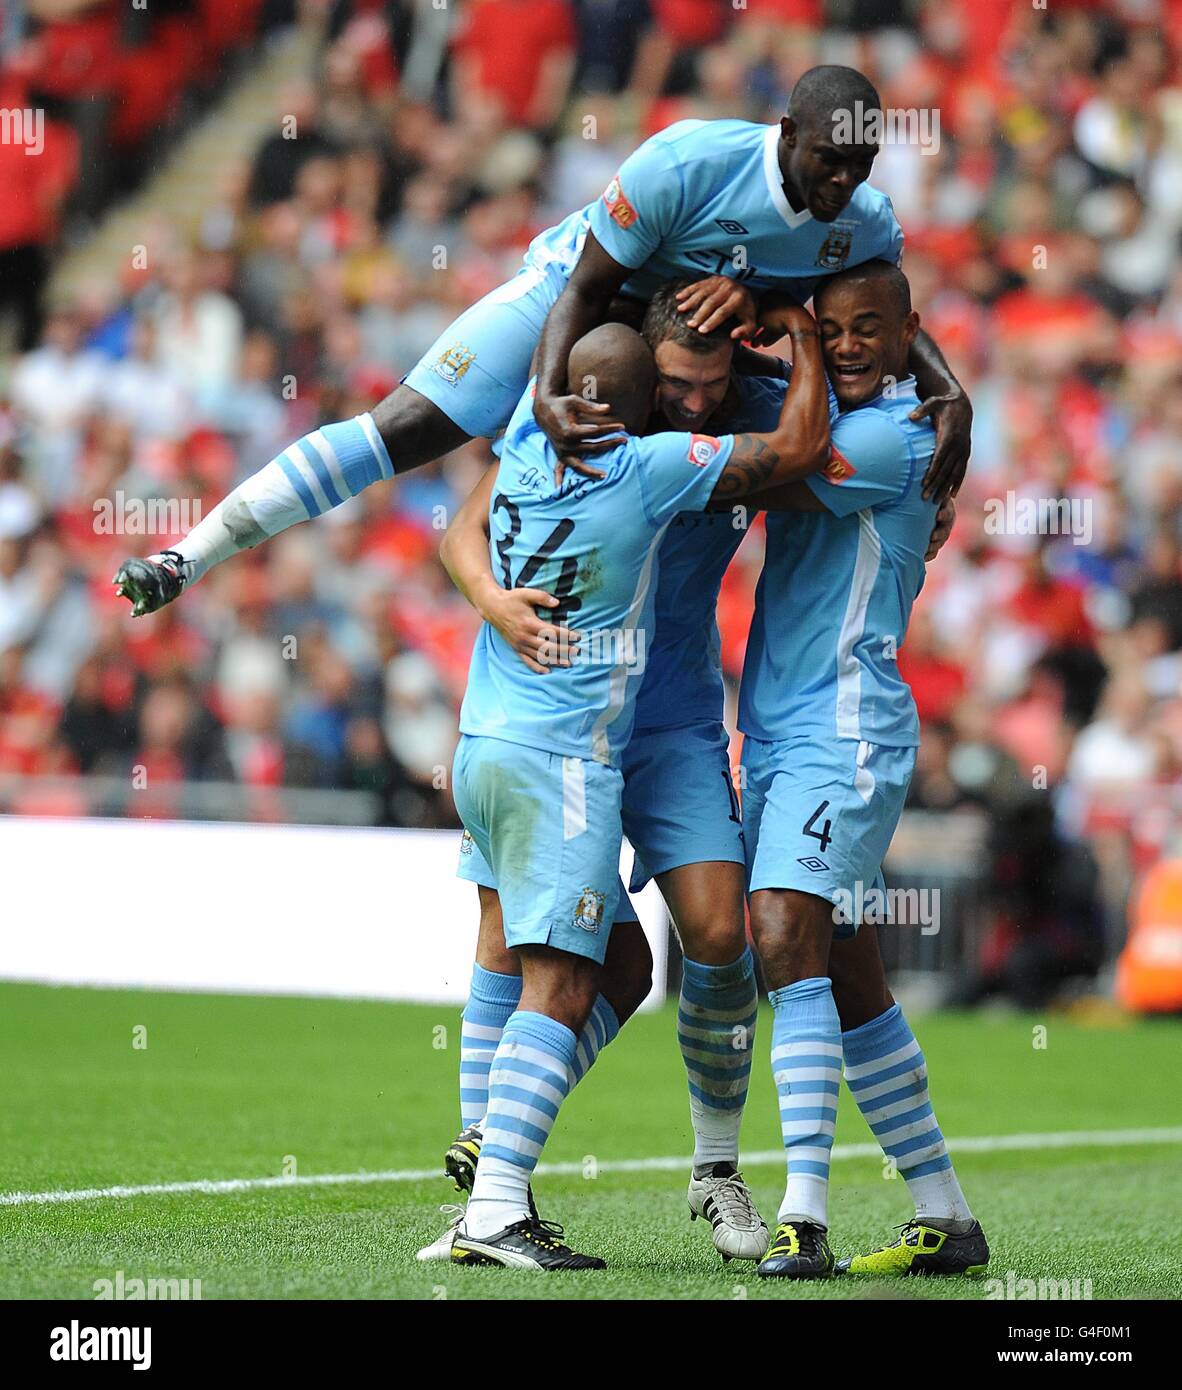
(839, 468)
(703, 449)
(619, 208)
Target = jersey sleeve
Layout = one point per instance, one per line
(893, 249)
(678, 472)
(641, 205)
(871, 464)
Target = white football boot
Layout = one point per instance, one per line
(441, 1249)
(724, 1199)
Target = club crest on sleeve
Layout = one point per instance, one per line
(838, 469)
(453, 363)
(589, 909)
(620, 209)
(703, 449)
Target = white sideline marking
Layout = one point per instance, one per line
(1000, 1143)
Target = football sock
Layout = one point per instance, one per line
(716, 1029)
(493, 997)
(313, 475)
(887, 1076)
(601, 1027)
(529, 1080)
(806, 1067)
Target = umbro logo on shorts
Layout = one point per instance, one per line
(813, 864)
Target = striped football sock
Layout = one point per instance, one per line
(491, 1001)
(313, 475)
(806, 1066)
(601, 1027)
(888, 1077)
(529, 1080)
(716, 1028)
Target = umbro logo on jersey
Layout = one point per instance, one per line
(813, 864)
(730, 226)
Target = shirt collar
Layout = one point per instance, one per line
(775, 181)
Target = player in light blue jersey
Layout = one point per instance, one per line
(778, 207)
(747, 206)
(831, 733)
(537, 771)
(680, 808)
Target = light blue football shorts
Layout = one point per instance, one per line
(680, 805)
(478, 367)
(819, 816)
(548, 831)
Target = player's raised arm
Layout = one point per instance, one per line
(799, 445)
(570, 420)
(640, 210)
(513, 612)
(944, 399)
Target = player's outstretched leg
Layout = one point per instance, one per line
(792, 933)
(313, 475)
(887, 1076)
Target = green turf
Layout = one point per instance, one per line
(231, 1087)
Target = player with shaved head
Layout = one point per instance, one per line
(537, 772)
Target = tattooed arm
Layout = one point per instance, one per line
(799, 445)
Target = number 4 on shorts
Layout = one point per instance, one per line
(823, 834)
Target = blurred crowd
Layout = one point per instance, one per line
(404, 179)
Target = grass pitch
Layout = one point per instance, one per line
(244, 1088)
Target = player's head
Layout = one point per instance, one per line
(867, 327)
(613, 363)
(824, 150)
(693, 369)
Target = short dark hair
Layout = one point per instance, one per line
(890, 275)
(823, 90)
(665, 323)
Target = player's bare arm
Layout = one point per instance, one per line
(579, 427)
(945, 400)
(512, 612)
(799, 497)
(572, 422)
(800, 443)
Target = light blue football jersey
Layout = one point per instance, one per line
(683, 681)
(593, 544)
(835, 596)
(707, 198)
